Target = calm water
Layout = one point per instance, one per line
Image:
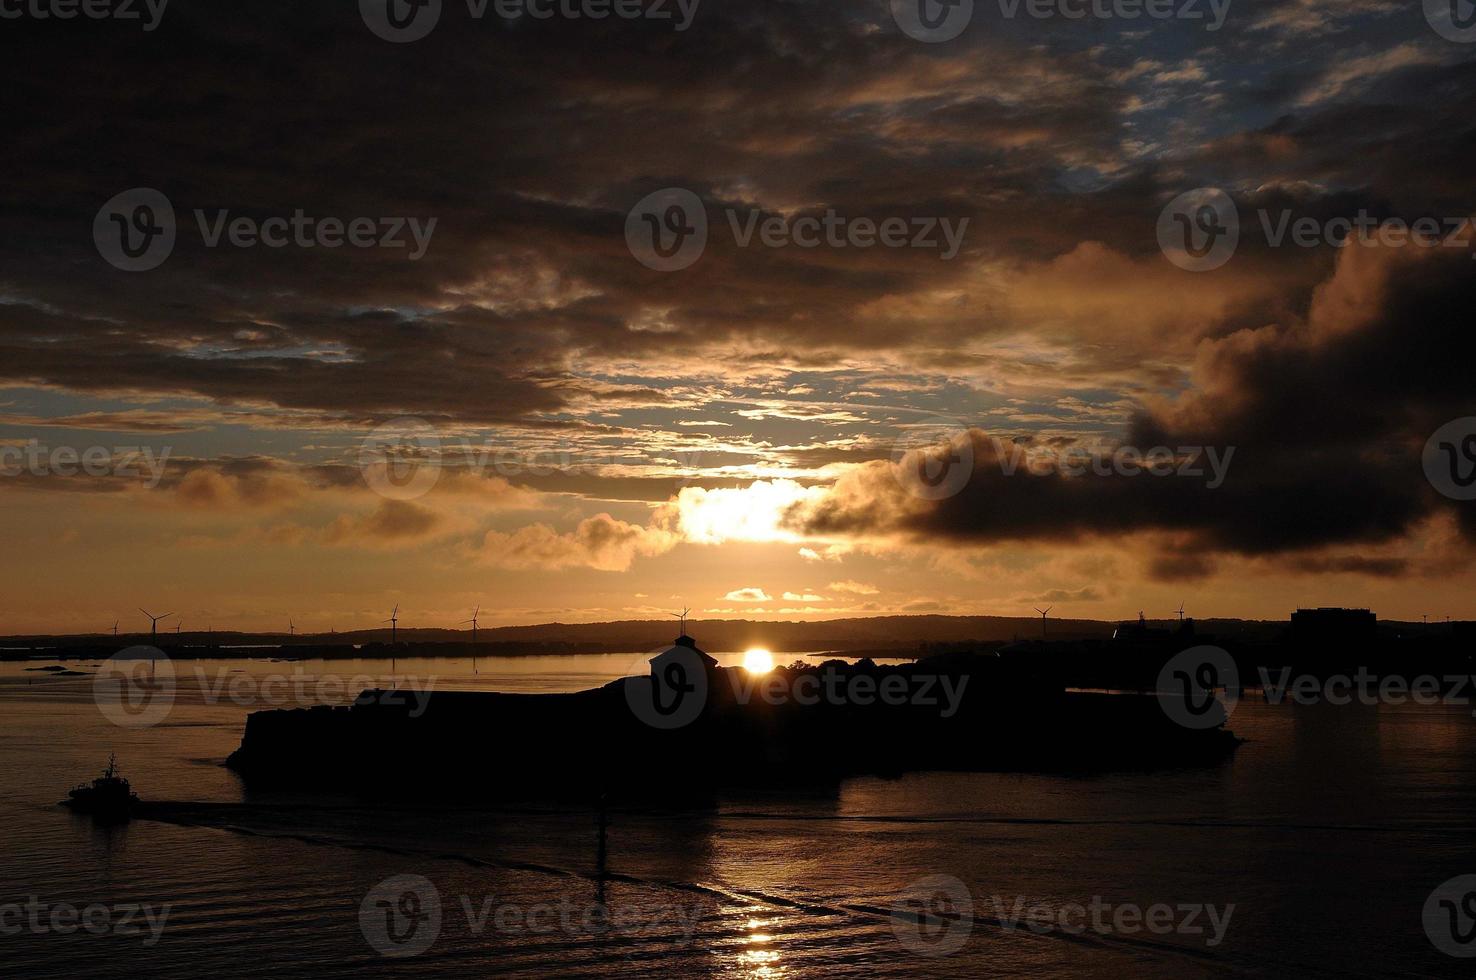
(1327, 832)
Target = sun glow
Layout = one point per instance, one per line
(758, 661)
(752, 513)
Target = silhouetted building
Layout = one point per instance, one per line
(1329, 625)
(1139, 631)
(682, 641)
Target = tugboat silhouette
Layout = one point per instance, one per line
(109, 798)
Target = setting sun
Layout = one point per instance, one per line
(758, 661)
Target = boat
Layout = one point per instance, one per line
(109, 797)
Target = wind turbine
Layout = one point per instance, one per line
(115, 626)
(473, 622)
(153, 623)
(291, 627)
(682, 618)
(1180, 611)
(1042, 620)
(394, 622)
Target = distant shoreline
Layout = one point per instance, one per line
(444, 651)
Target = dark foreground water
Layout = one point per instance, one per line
(1312, 853)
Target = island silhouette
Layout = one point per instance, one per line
(690, 728)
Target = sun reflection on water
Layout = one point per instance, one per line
(758, 959)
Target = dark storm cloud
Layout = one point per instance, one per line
(527, 143)
(1327, 418)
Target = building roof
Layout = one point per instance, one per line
(685, 642)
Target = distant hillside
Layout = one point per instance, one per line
(900, 633)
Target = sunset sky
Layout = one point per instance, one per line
(616, 442)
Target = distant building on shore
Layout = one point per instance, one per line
(1332, 625)
(1141, 632)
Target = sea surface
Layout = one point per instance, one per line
(1316, 848)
